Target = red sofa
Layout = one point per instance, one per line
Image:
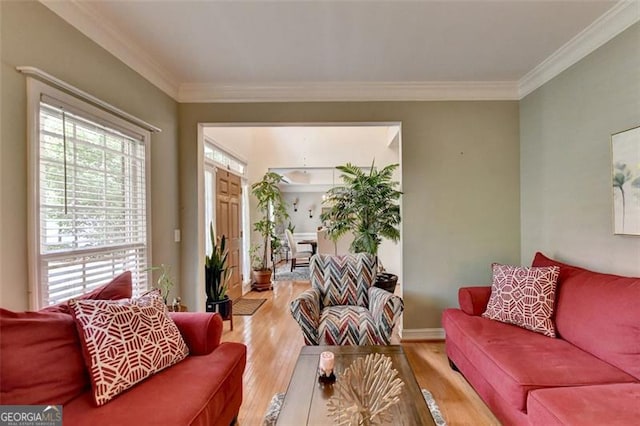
(41, 363)
(589, 375)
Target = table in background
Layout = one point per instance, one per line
(305, 402)
(312, 243)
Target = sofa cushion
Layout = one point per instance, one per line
(194, 391)
(617, 404)
(598, 313)
(524, 297)
(117, 288)
(126, 341)
(516, 361)
(40, 359)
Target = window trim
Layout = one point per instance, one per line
(35, 91)
(209, 142)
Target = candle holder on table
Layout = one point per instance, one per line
(325, 368)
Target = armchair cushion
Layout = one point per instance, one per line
(347, 325)
(343, 280)
(305, 309)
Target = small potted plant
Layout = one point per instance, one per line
(217, 277)
(368, 206)
(261, 275)
(273, 211)
(165, 280)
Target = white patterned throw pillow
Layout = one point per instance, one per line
(524, 297)
(125, 341)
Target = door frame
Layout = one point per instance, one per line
(245, 216)
(206, 164)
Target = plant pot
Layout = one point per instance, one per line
(386, 281)
(262, 280)
(223, 307)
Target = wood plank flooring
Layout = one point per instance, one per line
(274, 340)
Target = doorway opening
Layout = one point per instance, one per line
(306, 155)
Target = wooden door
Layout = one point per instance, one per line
(229, 224)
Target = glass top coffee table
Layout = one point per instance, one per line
(305, 402)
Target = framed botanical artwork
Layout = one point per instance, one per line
(625, 155)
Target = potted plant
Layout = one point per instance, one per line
(368, 206)
(273, 211)
(165, 281)
(217, 276)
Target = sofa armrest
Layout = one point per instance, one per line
(385, 309)
(200, 331)
(305, 309)
(473, 300)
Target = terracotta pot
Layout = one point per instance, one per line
(262, 280)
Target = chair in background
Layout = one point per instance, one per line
(325, 244)
(296, 255)
(342, 307)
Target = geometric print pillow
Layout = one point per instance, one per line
(524, 297)
(125, 341)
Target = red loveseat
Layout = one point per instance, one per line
(589, 375)
(41, 363)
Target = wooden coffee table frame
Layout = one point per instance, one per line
(305, 402)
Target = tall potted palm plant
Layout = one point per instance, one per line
(216, 278)
(367, 204)
(273, 211)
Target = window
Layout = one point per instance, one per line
(90, 204)
(227, 161)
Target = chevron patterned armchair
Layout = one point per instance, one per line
(342, 307)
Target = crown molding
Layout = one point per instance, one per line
(354, 91)
(88, 21)
(83, 16)
(607, 26)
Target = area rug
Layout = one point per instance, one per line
(271, 416)
(244, 306)
(284, 273)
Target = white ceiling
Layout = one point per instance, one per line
(192, 47)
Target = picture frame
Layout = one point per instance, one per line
(625, 173)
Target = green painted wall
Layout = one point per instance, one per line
(30, 34)
(460, 160)
(460, 175)
(565, 138)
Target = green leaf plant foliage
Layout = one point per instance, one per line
(367, 204)
(165, 281)
(216, 272)
(273, 211)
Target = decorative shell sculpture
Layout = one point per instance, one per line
(365, 392)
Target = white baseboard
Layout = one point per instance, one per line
(409, 334)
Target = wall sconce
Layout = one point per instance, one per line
(295, 204)
(311, 212)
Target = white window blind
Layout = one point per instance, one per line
(92, 204)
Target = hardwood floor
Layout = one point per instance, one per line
(274, 340)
